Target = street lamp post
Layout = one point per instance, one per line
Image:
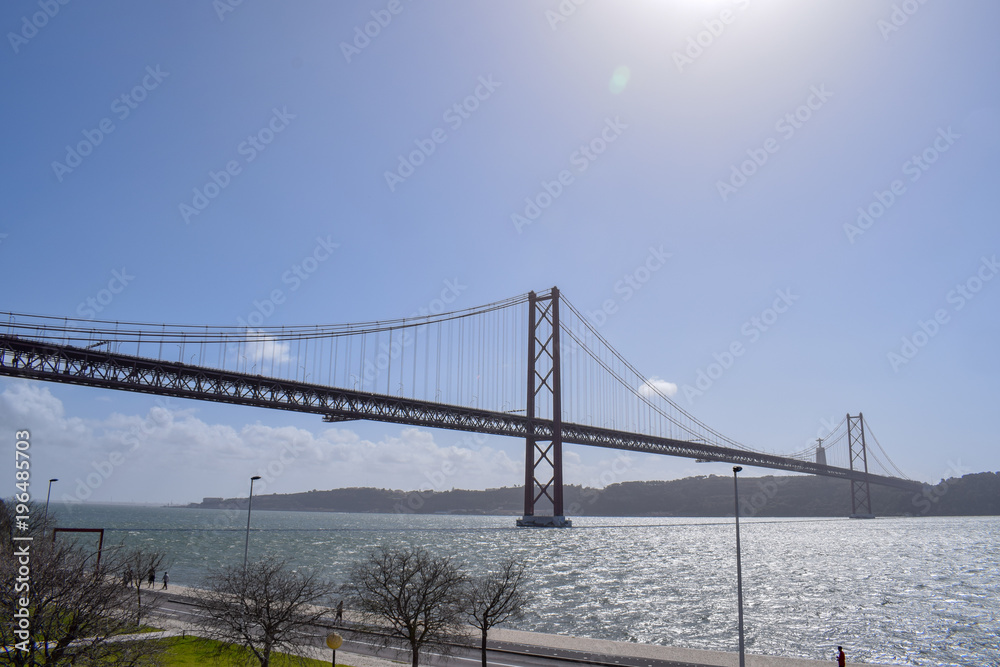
(246, 547)
(334, 641)
(739, 567)
(45, 516)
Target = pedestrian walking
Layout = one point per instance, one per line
(841, 658)
(151, 578)
(340, 612)
(166, 580)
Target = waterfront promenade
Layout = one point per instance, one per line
(513, 642)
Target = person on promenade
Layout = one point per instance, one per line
(340, 612)
(841, 658)
(166, 579)
(151, 578)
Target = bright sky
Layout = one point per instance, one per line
(831, 160)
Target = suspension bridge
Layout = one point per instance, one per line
(530, 367)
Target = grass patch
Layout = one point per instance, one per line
(196, 652)
(137, 630)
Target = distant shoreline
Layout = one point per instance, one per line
(798, 496)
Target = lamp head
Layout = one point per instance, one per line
(737, 468)
(255, 477)
(54, 479)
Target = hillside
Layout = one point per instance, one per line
(778, 496)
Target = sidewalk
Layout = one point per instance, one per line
(602, 650)
(604, 647)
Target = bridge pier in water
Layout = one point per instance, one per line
(543, 457)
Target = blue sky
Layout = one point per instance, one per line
(842, 154)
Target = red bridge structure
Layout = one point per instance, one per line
(530, 367)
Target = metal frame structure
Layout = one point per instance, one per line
(861, 493)
(543, 462)
(100, 539)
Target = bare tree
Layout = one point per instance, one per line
(136, 563)
(415, 599)
(262, 608)
(76, 609)
(497, 597)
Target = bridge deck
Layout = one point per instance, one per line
(26, 358)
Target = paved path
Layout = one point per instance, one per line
(596, 650)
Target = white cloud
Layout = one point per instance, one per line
(171, 455)
(23, 399)
(28, 405)
(260, 347)
(654, 384)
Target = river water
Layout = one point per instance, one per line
(916, 591)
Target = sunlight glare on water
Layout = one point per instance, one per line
(896, 591)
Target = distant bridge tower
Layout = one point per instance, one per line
(861, 497)
(543, 457)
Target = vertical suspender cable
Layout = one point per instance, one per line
(331, 372)
(388, 366)
(448, 350)
(461, 362)
(427, 357)
(359, 338)
(437, 359)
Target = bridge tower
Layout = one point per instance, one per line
(543, 455)
(861, 496)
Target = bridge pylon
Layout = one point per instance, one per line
(543, 457)
(861, 495)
